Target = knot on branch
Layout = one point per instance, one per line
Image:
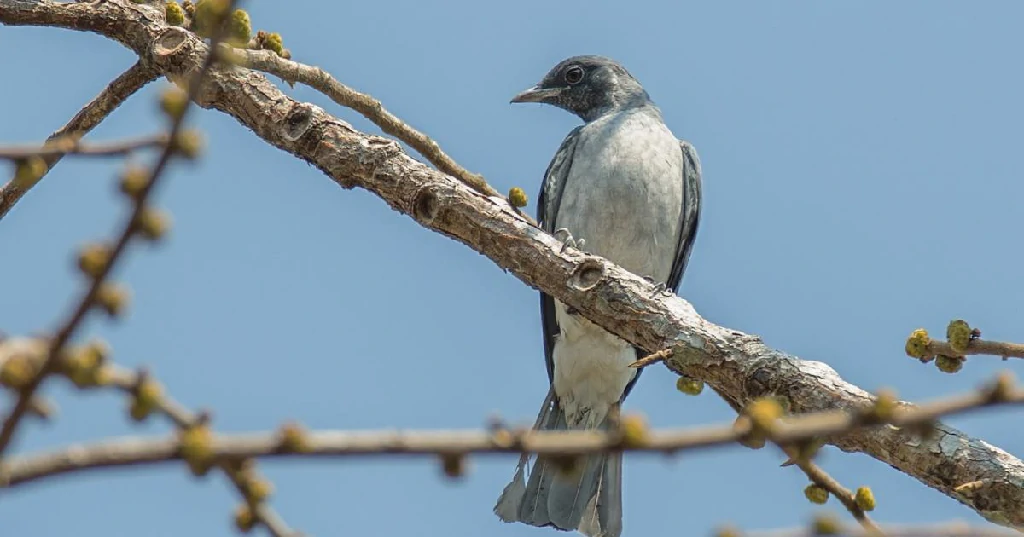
(426, 205)
(296, 124)
(172, 47)
(587, 275)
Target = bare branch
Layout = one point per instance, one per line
(738, 366)
(69, 146)
(787, 432)
(651, 359)
(978, 347)
(95, 111)
(950, 529)
(320, 80)
(820, 477)
(128, 381)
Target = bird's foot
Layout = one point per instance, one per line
(659, 287)
(563, 235)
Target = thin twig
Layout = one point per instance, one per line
(269, 62)
(823, 479)
(68, 328)
(94, 112)
(951, 529)
(72, 146)
(788, 431)
(127, 381)
(652, 358)
(978, 347)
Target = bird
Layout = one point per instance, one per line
(622, 186)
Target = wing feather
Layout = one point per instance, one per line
(689, 216)
(548, 201)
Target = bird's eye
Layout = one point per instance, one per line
(574, 74)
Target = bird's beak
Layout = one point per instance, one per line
(535, 94)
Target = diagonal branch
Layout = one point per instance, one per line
(95, 111)
(269, 62)
(737, 365)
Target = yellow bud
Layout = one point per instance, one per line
(816, 494)
(293, 438)
(196, 445)
(17, 371)
(949, 364)
(885, 405)
(189, 144)
(728, 532)
(634, 430)
(134, 180)
(149, 393)
(825, 525)
(690, 386)
(257, 490)
(112, 298)
(245, 520)
(84, 365)
(153, 223)
(865, 499)
(207, 14)
(174, 14)
(139, 411)
(958, 333)
(517, 197)
(97, 351)
(274, 42)
(93, 259)
(239, 28)
(28, 171)
(173, 101)
(918, 343)
(763, 413)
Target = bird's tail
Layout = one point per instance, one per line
(585, 495)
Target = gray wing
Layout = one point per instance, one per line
(547, 211)
(689, 217)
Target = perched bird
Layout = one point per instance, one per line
(623, 183)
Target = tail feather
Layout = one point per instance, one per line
(512, 496)
(609, 503)
(570, 495)
(589, 500)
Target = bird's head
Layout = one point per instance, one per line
(588, 86)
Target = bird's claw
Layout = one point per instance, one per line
(659, 287)
(563, 235)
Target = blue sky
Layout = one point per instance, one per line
(861, 179)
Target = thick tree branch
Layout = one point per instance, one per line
(738, 366)
(269, 62)
(95, 111)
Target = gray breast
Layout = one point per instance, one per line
(624, 192)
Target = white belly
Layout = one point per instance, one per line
(591, 369)
(623, 196)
